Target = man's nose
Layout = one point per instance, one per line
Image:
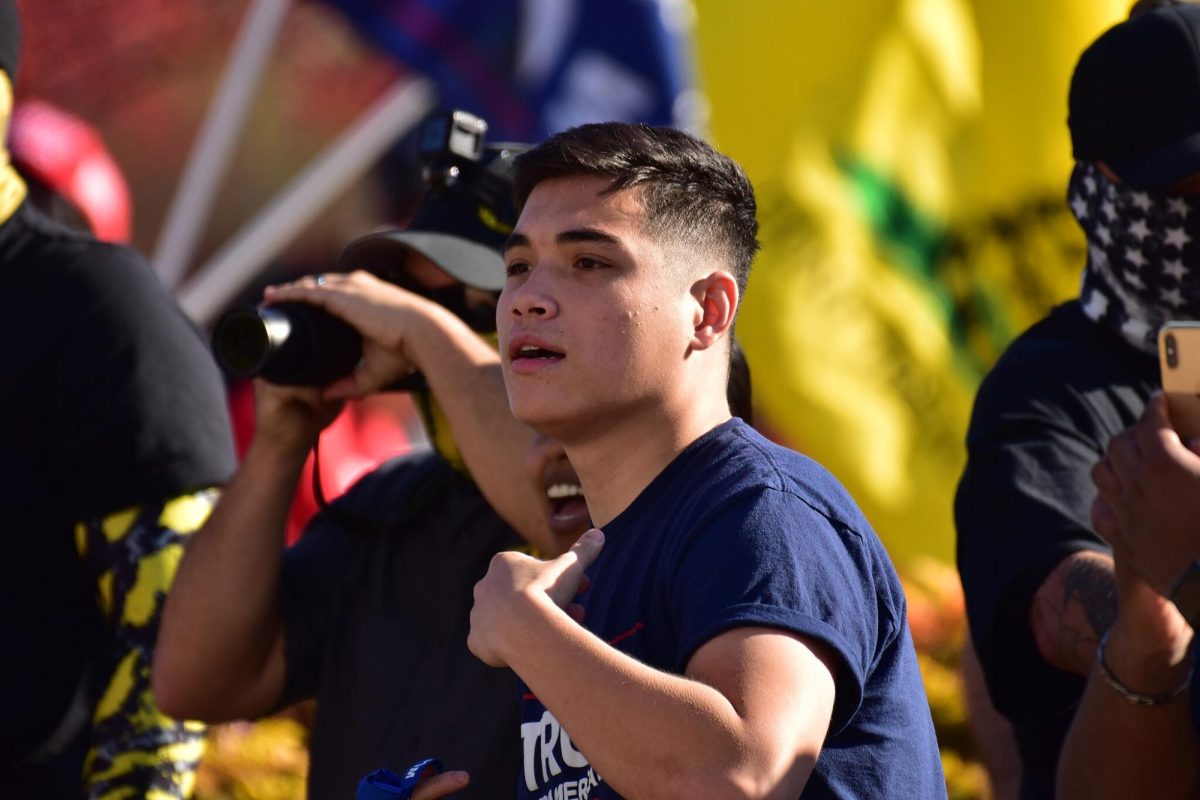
(531, 299)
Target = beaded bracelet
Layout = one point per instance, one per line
(1137, 698)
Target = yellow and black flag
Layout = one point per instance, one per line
(911, 160)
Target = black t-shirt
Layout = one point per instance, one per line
(110, 399)
(377, 611)
(1042, 419)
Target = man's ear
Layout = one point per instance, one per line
(716, 297)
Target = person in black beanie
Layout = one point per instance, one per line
(1040, 582)
(117, 437)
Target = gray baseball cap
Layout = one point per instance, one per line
(462, 230)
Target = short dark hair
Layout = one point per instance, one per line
(691, 193)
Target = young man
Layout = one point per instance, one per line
(743, 631)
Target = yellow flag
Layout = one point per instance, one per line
(911, 159)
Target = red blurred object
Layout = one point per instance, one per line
(364, 435)
(67, 155)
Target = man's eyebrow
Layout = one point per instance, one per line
(576, 235)
(515, 240)
(573, 236)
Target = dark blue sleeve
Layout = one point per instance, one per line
(307, 600)
(313, 584)
(769, 559)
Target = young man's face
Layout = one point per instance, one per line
(594, 322)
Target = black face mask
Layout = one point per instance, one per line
(1143, 256)
(477, 309)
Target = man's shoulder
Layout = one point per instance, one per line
(1066, 348)
(418, 489)
(394, 499)
(772, 494)
(31, 234)
(94, 285)
(400, 478)
(762, 534)
(48, 262)
(1068, 371)
(753, 466)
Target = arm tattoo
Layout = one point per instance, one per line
(1072, 608)
(1091, 585)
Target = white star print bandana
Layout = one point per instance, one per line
(1143, 256)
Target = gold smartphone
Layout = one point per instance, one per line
(1179, 366)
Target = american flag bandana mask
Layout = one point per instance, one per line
(1143, 263)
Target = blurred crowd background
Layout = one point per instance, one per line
(909, 158)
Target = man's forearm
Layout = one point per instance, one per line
(219, 653)
(646, 732)
(1118, 749)
(463, 373)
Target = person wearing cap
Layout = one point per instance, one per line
(1039, 580)
(368, 612)
(116, 437)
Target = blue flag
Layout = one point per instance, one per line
(534, 67)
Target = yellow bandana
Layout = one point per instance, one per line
(437, 426)
(12, 188)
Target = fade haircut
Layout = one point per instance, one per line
(692, 195)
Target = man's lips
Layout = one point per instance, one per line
(529, 355)
(525, 347)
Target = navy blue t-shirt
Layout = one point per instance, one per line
(736, 532)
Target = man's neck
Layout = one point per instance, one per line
(616, 466)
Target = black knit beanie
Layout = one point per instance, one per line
(10, 38)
